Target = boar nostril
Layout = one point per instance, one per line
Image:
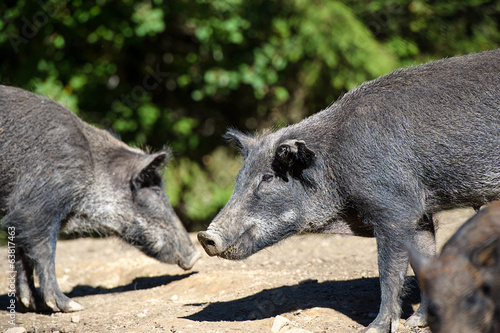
(209, 243)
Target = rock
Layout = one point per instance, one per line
(297, 330)
(75, 319)
(279, 323)
(16, 330)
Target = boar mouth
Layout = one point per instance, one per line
(187, 264)
(174, 257)
(242, 247)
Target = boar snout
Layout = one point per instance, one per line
(188, 263)
(212, 243)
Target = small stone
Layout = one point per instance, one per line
(279, 323)
(75, 319)
(16, 330)
(252, 316)
(306, 281)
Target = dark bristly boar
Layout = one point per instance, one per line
(377, 162)
(59, 173)
(463, 283)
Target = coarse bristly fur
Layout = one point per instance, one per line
(463, 282)
(60, 173)
(377, 162)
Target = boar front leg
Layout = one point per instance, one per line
(393, 264)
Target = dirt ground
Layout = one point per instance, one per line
(320, 283)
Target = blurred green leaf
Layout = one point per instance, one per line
(184, 125)
(150, 21)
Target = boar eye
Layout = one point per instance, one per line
(267, 178)
(472, 299)
(486, 289)
(157, 191)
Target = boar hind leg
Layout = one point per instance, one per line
(27, 297)
(53, 298)
(37, 250)
(424, 242)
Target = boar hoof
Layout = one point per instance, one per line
(416, 320)
(63, 305)
(383, 328)
(52, 306)
(394, 325)
(25, 302)
(73, 307)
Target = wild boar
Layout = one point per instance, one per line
(463, 282)
(377, 162)
(60, 173)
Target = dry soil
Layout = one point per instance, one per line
(320, 283)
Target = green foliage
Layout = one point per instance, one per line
(422, 30)
(291, 48)
(149, 20)
(202, 189)
(180, 72)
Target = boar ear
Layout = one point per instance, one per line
(147, 174)
(292, 156)
(486, 255)
(418, 261)
(242, 141)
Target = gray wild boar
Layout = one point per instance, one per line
(378, 162)
(59, 173)
(463, 283)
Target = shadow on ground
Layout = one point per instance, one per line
(358, 299)
(137, 284)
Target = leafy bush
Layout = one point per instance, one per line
(180, 72)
